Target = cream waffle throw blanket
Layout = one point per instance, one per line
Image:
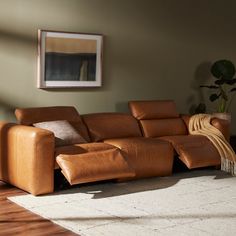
(200, 124)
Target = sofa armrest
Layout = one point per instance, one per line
(27, 157)
(222, 125)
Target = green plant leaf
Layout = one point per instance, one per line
(220, 81)
(209, 86)
(213, 97)
(224, 95)
(231, 81)
(201, 108)
(223, 69)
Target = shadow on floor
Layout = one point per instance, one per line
(150, 217)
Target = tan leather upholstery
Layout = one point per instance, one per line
(27, 158)
(103, 126)
(94, 166)
(194, 150)
(161, 127)
(160, 118)
(29, 116)
(122, 131)
(148, 157)
(223, 126)
(27, 154)
(80, 148)
(147, 110)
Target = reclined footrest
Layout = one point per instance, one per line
(94, 166)
(194, 150)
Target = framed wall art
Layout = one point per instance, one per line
(69, 59)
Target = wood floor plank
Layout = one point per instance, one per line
(16, 220)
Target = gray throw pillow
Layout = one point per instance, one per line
(64, 132)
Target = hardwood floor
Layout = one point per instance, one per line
(15, 220)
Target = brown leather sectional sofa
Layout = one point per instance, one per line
(118, 146)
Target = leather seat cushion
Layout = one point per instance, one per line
(148, 157)
(194, 150)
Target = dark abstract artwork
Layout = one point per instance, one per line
(70, 66)
(69, 60)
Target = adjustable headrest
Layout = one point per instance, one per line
(159, 109)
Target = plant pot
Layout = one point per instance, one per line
(223, 116)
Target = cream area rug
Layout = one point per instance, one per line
(199, 203)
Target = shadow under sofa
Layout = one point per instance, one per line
(116, 148)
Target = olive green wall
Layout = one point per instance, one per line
(153, 49)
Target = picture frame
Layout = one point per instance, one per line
(67, 59)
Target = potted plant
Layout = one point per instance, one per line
(223, 87)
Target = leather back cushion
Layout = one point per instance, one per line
(103, 126)
(158, 109)
(29, 116)
(163, 127)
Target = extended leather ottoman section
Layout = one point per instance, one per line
(148, 157)
(94, 166)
